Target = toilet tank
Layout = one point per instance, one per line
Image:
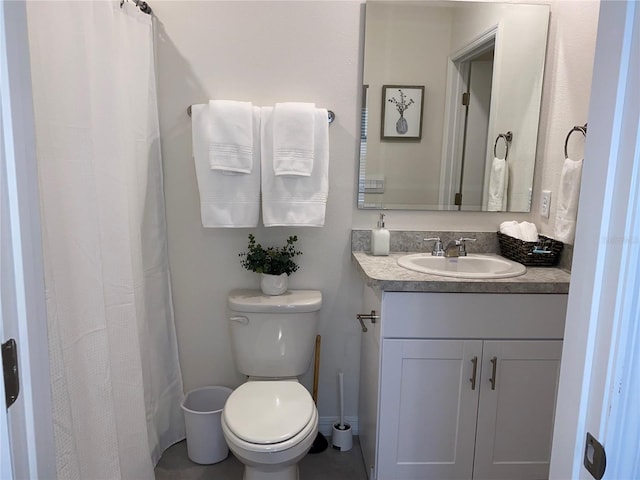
(273, 336)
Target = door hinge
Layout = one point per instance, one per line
(465, 99)
(10, 371)
(595, 458)
(457, 199)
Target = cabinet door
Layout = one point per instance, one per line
(515, 416)
(427, 409)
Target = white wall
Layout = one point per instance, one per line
(268, 51)
(263, 52)
(565, 95)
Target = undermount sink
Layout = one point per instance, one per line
(474, 265)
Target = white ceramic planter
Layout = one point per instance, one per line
(274, 284)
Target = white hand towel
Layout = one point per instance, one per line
(511, 228)
(528, 232)
(295, 200)
(293, 138)
(226, 199)
(498, 182)
(231, 143)
(568, 196)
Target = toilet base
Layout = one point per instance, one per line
(288, 473)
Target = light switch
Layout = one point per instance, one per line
(545, 203)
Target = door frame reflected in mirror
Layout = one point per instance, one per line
(461, 147)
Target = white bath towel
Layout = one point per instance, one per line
(226, 199)
(498, 184)
(511, 228)
(293, 138)
(568, 196)
(295, 200)
(232, 132)
(528, 231)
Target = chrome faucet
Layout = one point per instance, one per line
(437, 246)
(452, 249)
(457, 247)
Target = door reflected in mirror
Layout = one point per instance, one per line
(481, 68)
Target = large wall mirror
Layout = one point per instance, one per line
(451, 105)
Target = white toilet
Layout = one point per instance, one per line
(270, 422)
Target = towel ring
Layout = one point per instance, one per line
(582, 129)
(507, 140)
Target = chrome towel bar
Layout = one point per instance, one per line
(331, 116)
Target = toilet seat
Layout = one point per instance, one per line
(269, 415)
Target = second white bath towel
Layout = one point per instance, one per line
(295, 200)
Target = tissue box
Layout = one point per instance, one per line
(543, 253)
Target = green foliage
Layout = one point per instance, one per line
(271, 260)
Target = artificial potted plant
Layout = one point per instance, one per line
(274, 264)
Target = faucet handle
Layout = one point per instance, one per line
(462, 245)
(437, 246)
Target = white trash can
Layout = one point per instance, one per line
(202, 416)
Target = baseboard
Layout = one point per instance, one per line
(325, 425)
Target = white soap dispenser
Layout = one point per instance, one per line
(380, 239)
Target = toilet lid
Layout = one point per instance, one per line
(266, 412)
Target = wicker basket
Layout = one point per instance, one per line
(543, 253)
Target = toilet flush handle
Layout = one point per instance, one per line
(240, 319)
(373, 316)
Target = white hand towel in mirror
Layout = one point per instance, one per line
(293, 138)
(498, 182)
(227, 199)
(295, 200)
(232, 136)
(568, 197)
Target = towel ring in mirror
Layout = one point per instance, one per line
(507, 140)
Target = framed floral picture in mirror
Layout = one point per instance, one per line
(401, 112)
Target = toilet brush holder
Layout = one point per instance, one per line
(342, 437)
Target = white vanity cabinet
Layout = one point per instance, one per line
(460, 386)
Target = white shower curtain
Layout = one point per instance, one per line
(116, 379)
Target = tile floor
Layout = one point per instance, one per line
(331, 464)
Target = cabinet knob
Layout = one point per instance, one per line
(373, 316)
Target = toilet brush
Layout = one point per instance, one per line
(320, 444)
(342, 437)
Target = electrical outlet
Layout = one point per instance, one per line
(545, 203)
